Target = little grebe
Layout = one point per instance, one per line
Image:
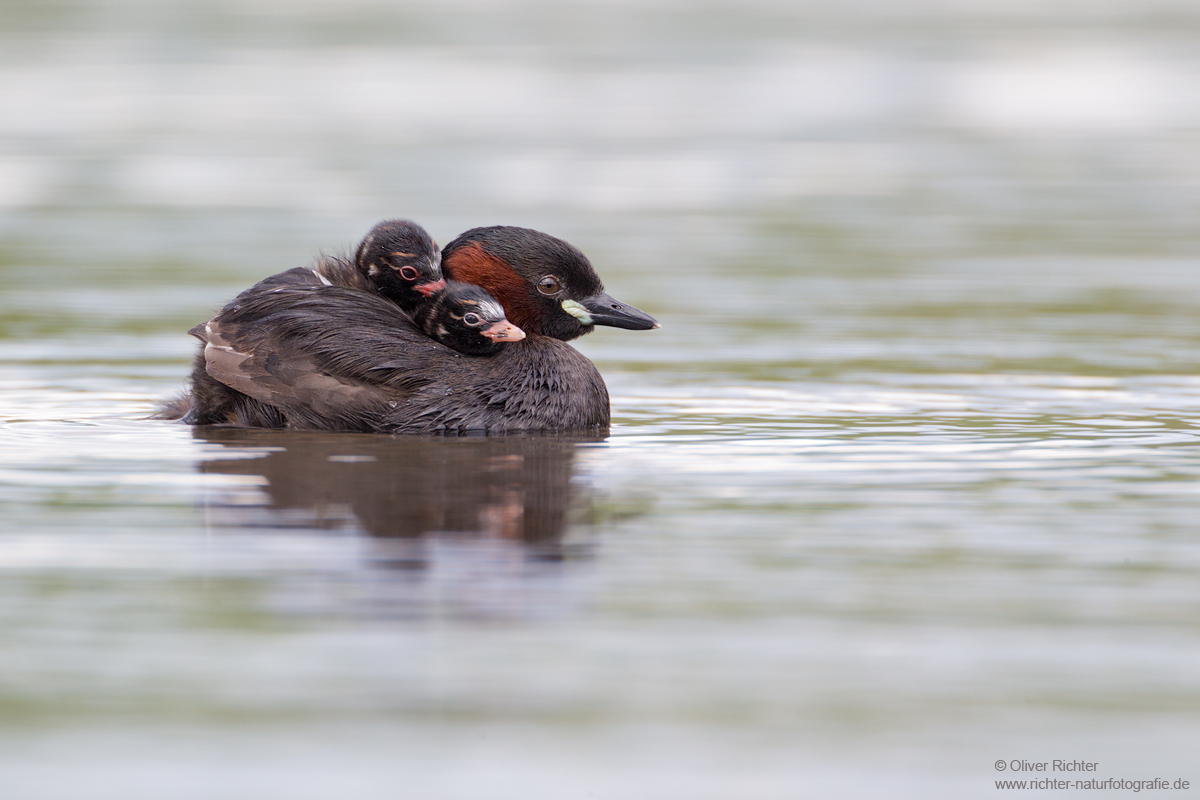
(323, 357)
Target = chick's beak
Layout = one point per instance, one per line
(432, 287)
(503, 331)
(605, 310)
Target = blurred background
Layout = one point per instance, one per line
(906, 484)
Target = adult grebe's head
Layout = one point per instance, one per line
(545, 285)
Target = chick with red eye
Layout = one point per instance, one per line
(397, 259)
(402, 262)
(467, 319)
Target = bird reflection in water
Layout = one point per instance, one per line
(405, 492)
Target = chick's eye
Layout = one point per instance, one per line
(549, 285)
(408, 273)
(471, 319)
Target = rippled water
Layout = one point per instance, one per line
(908, 482)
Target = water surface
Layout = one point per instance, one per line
(906, 484)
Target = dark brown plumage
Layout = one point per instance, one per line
(397, 259)
(327, 358)
(310, 356)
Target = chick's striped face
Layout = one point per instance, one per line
(468, 319)
(411, 267)
(420, 270)
(485, 318)
(403, 262)
(478, 313)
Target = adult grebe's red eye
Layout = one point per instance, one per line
(408, 273)
(549, 285)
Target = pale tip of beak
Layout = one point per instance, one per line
(429, 289)
(504, 332)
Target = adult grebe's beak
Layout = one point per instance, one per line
(605, 310)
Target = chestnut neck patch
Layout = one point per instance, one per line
(470, 263)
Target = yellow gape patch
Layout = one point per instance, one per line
(577, 311)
